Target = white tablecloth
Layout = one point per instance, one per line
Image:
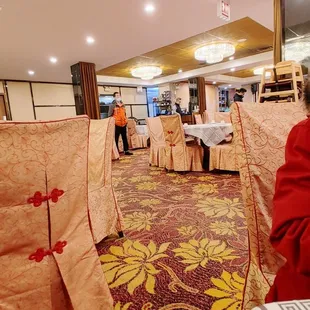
(210, 134)
(142, 130)
(289, 305)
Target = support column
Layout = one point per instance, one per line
(277, 37)
(85, 89)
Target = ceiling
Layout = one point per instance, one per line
(32, 31)
(245, 73)
(181, 54)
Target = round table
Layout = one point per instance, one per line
(210, 134)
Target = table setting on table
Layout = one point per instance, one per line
(211, 134)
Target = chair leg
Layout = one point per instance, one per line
(121, 234)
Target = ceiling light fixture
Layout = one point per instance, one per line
(30, 72)
(214, 83)
(214, 52)
(233, 69)
(231, 58)
(297, 51)
(149, 8)
(90, 40)
(146, 72)
(53, 60)
(229, 85)
(180, 71)
(242, 40)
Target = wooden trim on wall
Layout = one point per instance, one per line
(54, 106)
(7, 100)
(32, 99)
(39, 82)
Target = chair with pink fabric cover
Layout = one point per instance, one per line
(115, 152)
(158, 143)
(135, 140)
(261, 132)
(48, 259)
(104, 212)
(198, 119)
(208, 117)
(179, 155)
(222, 116)
(224, 157)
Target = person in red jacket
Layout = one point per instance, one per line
(290, 234)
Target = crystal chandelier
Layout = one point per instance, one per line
(297, 51)
(214, 52)
(146, 72)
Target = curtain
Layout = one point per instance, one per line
(277, 37)
(201, 87)
(90, 90)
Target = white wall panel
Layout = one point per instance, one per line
(20, 101)
(53, 113)
(139, 112)
(52, 94)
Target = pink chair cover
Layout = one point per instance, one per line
(198, 119)
(158, 144)
(115, 153)
(47, 256)
(223, 116)
(261, 132)
(105, 214)
(208, 117)
(135, 140)
(224, 157)
(179, 156)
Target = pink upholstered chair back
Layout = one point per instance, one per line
(156, 131)
(131, 126)
(47, 254)
(198, 119)
(105, 214)
(261, 132)
(223, 116)
(208, 117)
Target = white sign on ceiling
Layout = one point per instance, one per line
(223, 9)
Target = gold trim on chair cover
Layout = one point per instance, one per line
(47, 256)
(179, 155)
(261, 131)
(158, 144)
(105, 214)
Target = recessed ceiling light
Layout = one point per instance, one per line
(53, 60)
(229, 85)
(90, 40)
(233, 69)
(225, 87)
(30, 72)
(180, 71)
(231, 58)
(242, 40)
(214, 82)
(149, 8)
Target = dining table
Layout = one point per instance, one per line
(211, 134)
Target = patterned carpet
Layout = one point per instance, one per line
(186, 240)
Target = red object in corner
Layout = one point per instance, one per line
(290, 234)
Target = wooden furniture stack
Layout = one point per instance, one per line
(284, 85)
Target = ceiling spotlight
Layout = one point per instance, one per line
(225, 87)
(30, 72)
(231, 58)
(149, 8)
(90, 40)
(229, 85)
(233, 69)
(53, 60)
(214, 82)
(180, 71)
(242, 40)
